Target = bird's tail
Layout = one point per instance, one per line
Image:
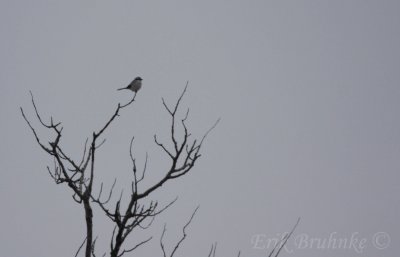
(121, 88)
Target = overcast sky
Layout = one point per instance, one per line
(308, 93)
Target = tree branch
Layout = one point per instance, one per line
(184, 234)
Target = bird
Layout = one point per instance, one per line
(134, 86)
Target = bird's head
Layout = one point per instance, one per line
(138, 78)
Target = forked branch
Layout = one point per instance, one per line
(71, 172)
(79, 176)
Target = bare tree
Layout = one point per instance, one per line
(79, 175)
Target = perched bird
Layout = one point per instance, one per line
(135, 85)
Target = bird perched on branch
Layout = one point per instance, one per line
(135, 85)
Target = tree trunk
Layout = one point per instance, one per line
(89, 227)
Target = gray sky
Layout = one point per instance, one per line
(308, 92)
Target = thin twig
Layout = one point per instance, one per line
(136, 246)
(80, 247)
(184, 232)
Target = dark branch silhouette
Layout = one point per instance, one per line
(184, 234)
(140, 213)
(79, 176)
(213, 250)
(279, 245)
(75, 174)
(274, 252)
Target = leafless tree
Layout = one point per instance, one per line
(79, 175)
